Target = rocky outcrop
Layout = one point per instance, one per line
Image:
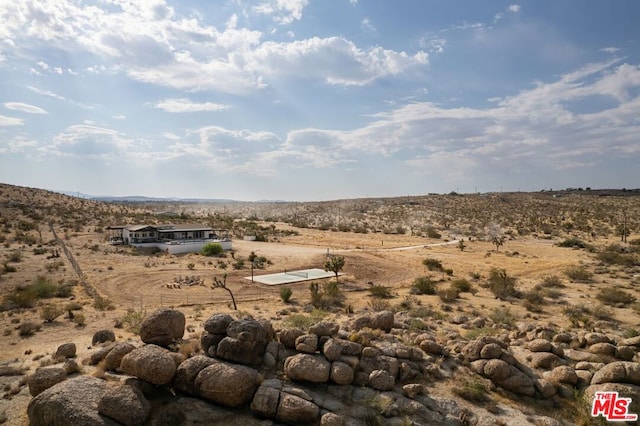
(44, 378)
(307, 368)
(245, 342)
(163, 327)
(64, 351)
(113, 359)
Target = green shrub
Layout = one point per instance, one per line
(501, 284)
(578, 274)
(573, 243)
(578, 315)
(285, 294)
(44, 288)
(327, 296)
(448, 295)
(463, 285)
(380, 292)
(423, 285)
(79, 319)
(133, 320)
(613, 255)
(501, 315)
(614, 296)
(432, 233)
(212, 249)
(472, 389)
(21, 297)
(28, 329)
(552, 281)
(103, 304)
(50, 312)
(377, 305)
(432, 264)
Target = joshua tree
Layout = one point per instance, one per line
(498, 241)
(335, 265)
(217, 283)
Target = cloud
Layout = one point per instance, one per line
(19, 106)
(151, 43)
(367, 25)
(334, 59)
(91, 142)
(610, 49)
(283, 12)
(119, 117)
(10, 121)
(46, 93)
(515, 8)
(185, 105)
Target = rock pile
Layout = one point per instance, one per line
(326, 375)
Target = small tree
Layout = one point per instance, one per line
(217, 283)
(498, 241)
(334, 264)
(461, 245)
(285, 294)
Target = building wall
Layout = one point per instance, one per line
(185, 247)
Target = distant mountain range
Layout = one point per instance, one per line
(143, 199)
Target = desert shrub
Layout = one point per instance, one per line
(614, 296)
(552, 281)
(578, 274)
(285, 294)
(50, 312)
(238, 264)
(578, 315)
(448, 295)
(573, 243)
(463, 285)
(378, 304)
(222, 264)
(304, 321)
(448, 271)
(103, 304)
(21, 297)
(132, 320)
(380, 291)
(426, 312)
(44, 288)
(533, 300)
(327, 296)
(432, 264)
(191, 266)
(423, 285)
(551, 293)
(39, 251)
(614, 255)
(212, 249)
(474, 333)
(79, 319)
(14, 256)
(472, 389)
(432, 233)
(500, 315)
(475, 276)
(64, 290)
(27, 329)
(602, 312)
(501, 284)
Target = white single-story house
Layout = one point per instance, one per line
(173, 239)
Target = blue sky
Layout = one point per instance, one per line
(318, 99)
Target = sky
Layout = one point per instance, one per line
(307, 100)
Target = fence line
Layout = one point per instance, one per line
(88, 287)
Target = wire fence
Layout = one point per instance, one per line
(76, 267)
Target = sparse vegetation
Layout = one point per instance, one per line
(473, 389)
(50, 312)
(578, 274)
(615, 296)
(132, 320)
(501, 284)
(212, 249)
(432, 264)
(423, 285)
(380, 291)
(285, 294)
(326, 296)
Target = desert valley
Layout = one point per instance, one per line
(499, 308)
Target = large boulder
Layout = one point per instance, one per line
(307, 343)
(295, 410)
(71, 402)
(618, 372)
(197, 412)
(288, 336)
(341, 373)
(113, 359)
(187, 372)
(324, 328)
(102, 336)
(245, 342)
(64, 351)
(125, 404)
(227, 384)
(308, 368)
(381, 380)
(218, 323)
(162, 327)
(44, 378)
(150, 363)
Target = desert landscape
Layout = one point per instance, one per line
(552, 273)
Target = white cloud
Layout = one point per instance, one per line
(185, 105)
(46, 93)
(283, 11)
(171, 136)
(19, 106)
(119, 117)
(367, 25)
(515, 8)
(610, 49)
(10, 121)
